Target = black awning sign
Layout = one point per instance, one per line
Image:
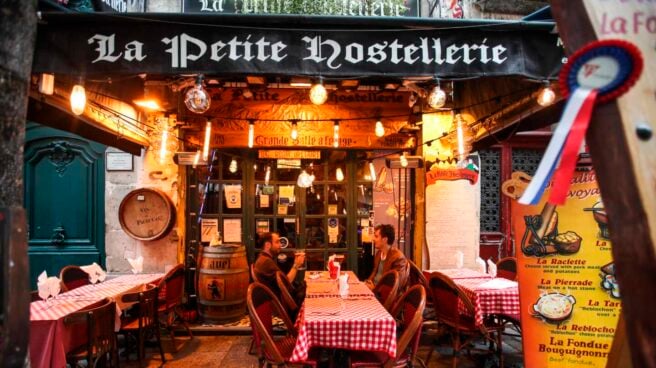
(171, 49)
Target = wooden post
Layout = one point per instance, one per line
(623, 153)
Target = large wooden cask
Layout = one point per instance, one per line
(222, 283)
(146, 214)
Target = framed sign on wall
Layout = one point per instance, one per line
(118, 161)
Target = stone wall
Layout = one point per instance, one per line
(157, 254)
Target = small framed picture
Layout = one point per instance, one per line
(118, 161)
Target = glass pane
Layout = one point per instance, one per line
(262, 225)
(265, 199)
(209, 196)
(315, 200)
(337, 199)
(260, 173)
(286, 227)
(286, 200)
(284, 172)
(232, 199)
(317, 171)
(337, 160)
(365, 199)
(315, 233)
(336, 232)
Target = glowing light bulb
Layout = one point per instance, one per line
(206, 142)
(78, 99)
(336, 134)
(267, 175)
(339, 174)
(380, 129)
(251, 133)
(197, 99)
(162, 149)
(372, 171)
(318, 94)
(294, 131)
(403, 160)
(233, 166)
(47, 84)
(546, 96)
(196, 159)
(437, 97)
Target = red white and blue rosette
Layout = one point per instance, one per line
(599, 72)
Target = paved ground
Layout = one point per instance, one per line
(231, 351)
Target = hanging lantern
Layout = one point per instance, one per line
(78, 99)
(267, 175)
(294, 130)
(197, 99)
(304, 180)
(437, 97)
(339, 174)
(318, 94)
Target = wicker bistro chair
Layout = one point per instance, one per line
(408, 310)
(446, 297)
(100, 346)
(145, 323)
(387, 289)
(170, 298)
(262, 305)
(286, 297)
(72, 277)
(507, 268)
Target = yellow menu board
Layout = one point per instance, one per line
(569, 296)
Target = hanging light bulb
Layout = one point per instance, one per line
(463, 134)
(372, 171)
(380, 129)
(267, 175)
(336, 134)
(251, 133)
(254, 167)
(304, 180)
(233, 166)
(162, 149)
(78, 99)
(318, 93)
(339, 174)
(403, 160)
(437, 97)
(294, 130)
(196, 159)
(197, 99)
(206, 142)
(546, 96)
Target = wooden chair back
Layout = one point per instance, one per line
(387, 288)
(99, 319)
(507, 268)
(411, 307)
(147, 306)
(262, 306)
(72, 277)
(173, 285)
(286, 290)
(416, 277)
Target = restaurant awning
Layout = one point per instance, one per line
(85, 44)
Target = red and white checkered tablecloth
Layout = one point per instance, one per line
(491, 296)
(357, 322)
(459, 273)
(50, 340)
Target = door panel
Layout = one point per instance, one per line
(64, 198)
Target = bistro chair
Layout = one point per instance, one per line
(387, 289)
(100, 346)
(287, 299)
(408, 310)
(72, 277)
(262, 305)
(507, 268)
(144, 323)
(254, 277)
(167, 307)
(446, 297)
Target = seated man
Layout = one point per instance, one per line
(387, 257)
(266, 265)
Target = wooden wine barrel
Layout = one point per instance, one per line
(146, 214)
(222, 283)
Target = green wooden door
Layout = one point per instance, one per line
(64, 199)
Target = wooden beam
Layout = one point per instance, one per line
(625, 164)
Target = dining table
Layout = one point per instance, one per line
(459, 273)
(352, 320)
(51, 339)
(490, 296)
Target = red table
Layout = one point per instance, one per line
(356, 322)
(491, 296)
(459, 273)
(50, 340)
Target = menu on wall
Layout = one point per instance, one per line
(569, 296)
